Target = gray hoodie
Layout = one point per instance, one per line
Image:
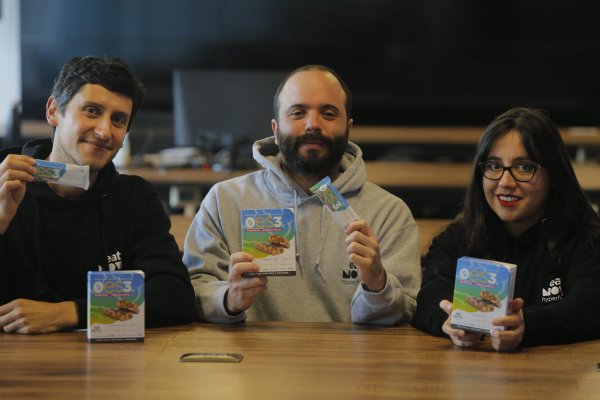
(326, 287)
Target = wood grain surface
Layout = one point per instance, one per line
(291, 361)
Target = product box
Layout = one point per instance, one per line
(270, 236)
(483, 290)
(115, 306)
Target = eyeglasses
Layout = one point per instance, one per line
(521, 171)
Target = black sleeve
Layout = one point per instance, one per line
(4, 288)
(5, 295)
(439, 269)
(576, 317)
(81, 305)
(169, 296)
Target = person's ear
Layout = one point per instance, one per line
(274, 129)
(52, 111)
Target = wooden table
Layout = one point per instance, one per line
(428, 228)
(580, 138)
(291, 361)
(397, 134)
(389, 174)
(182, 176)
(380, 134)
(451, 175)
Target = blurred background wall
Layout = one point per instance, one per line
(427, 62)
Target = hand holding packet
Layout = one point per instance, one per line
(63, 174)
(335, 202)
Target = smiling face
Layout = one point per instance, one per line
(520, 205)
(312, 127)
(91, 128)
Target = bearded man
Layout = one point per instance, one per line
(366, 272)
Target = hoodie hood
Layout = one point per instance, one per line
(37, 148)
(349, 182)
(353, 173)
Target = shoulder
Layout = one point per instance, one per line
(9, 150)
(451, 239)
(131, 187)
(245, 184)
(584, 247)
(133, 181)
(453, 232)
(375, 198)
(373, 192)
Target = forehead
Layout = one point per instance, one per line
(98, 94)
(508, 146)
(312, 88)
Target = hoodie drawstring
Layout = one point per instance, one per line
(298, 257)
(321, 240)
(299, 260)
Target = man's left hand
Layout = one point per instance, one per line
(363, 251)
(29, 317)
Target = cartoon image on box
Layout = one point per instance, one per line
(480, 286)
(269, 236)
(486, 302)
(267, 232)
(275, 245)
(115, 296)
(123, 311)
(483, 290)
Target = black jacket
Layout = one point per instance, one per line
(562, 303)
(119, 223)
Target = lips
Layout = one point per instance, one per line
(313, 139)
(314, 144)
(508, 200)
(98, 145)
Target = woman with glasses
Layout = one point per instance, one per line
(523, 206)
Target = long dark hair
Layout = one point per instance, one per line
(569, 214)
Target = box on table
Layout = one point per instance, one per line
(115, 306)
(269, 235)
(483, 290)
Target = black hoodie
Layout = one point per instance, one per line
(119, 223)
(561, 303)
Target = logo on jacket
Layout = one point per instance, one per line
(554, 291)
(114, 262)
(350, 275)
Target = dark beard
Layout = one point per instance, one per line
(312, 164)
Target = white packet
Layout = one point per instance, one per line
(63, 174)
(335, 202)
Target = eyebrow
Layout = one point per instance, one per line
(330, 107)
(297, 105)
(94, 104)
(303, 106)
(517, 159)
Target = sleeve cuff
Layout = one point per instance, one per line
(81, 305)
(219, 304)
(378, 299)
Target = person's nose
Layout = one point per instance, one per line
(103, 128)
(313, 122)
(507, 179)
